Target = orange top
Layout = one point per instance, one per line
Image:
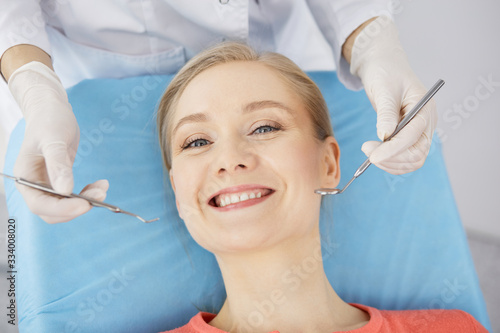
(381, 321)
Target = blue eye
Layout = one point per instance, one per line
(188, 145)
(195, 140)
(273, 128)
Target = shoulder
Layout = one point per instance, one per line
(431, 320)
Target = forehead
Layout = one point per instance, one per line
(233, 84)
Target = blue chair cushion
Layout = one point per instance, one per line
(391, 242)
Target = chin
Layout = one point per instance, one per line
(235, 242)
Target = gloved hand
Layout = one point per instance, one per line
(50, 143)
(379, 60)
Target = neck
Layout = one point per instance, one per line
(282, 288)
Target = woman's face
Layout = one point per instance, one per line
(252, 131)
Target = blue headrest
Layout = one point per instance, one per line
(392, 242)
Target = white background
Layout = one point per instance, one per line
(458, 41)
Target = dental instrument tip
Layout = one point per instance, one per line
(333, 191)
(326, 191)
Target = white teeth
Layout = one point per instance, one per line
(234, 198)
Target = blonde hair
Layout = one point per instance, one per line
(226, 52)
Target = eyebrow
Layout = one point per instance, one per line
(253, 106)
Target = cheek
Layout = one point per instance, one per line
(298, 158)
(300, 166)
(187, 181)
(299, 170)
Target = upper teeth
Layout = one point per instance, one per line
(229, 198)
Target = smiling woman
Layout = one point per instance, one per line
(246, 139)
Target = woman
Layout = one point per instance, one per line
(246, 139)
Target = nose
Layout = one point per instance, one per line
(235, 156)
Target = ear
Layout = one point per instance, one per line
(173, 187)
(330, 170)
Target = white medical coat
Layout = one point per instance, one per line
(119, 38)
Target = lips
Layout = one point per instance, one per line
(240, 189)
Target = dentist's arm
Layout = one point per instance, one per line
(51, 135)
(378, 59)
(349, 43)
(19, 55)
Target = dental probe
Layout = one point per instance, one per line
(93, 202)
(409, 116)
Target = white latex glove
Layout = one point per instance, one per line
(379, 60)
(50, 143)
